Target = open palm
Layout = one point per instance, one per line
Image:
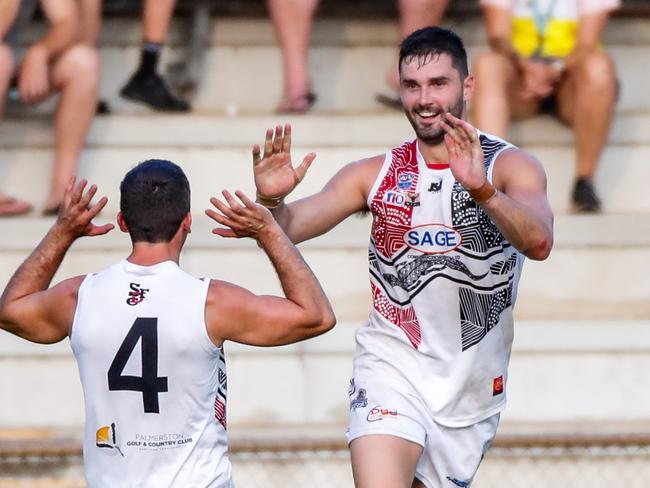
(275, 176)
(466, 159)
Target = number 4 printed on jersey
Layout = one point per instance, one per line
(150, 384)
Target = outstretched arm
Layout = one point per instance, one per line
(27, 307)
(236, 314)
(517, 202)
(275, 177)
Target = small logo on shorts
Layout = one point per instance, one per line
(105, 438)
(352, 388)
(360, 401)
(497, 386)
(379, 413)
(136, 295)
(463, 484)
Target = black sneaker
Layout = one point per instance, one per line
(153, 91)
(584, 197)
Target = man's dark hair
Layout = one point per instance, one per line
(155, 197)
(427, 42)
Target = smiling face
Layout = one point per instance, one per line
(430, 86)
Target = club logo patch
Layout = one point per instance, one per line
(136, 295)
(406, 181)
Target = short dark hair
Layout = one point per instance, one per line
(432, 41)
(154, 200)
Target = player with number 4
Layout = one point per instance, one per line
(148, 338)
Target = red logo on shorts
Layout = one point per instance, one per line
(380, 413)
(497, 386)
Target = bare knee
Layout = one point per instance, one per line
(596, 70)
(79, 64)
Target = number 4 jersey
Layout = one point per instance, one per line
(153, 381)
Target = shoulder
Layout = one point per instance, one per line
(361, 173)
(367, 165)
(69, 288)
(514, 164)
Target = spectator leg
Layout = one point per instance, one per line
(156, 18)
(497, 95)
(76, 77)
(91, 15)
(293, 20)
(414, 15)
(6, 70)
(586, 100)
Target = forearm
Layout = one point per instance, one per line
(528, 232)
(37, 271)
(61, 36)
(298, 281)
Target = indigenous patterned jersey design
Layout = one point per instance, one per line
(442, 277)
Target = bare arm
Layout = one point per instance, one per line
(520, 208)
(27, 307)
(590, 31)
(518, 204)
(498, 26)
(275, 177)
(63, 17)
(233, 313)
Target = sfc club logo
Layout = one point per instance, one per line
(432, 238)
(136, 295)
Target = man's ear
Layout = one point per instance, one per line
(187, 223)
(468, 88)
(122, 223)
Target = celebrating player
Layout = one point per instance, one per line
(454, 213)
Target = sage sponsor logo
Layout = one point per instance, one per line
(432, 238)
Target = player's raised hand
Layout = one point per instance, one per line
(243, 218)
(77, 213)
(275, 176)
(466, 159)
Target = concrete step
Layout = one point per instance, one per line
(215, 152)
(349, 60)
(561, 371)
(594, 271)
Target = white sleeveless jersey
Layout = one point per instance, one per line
(444, 284)
(153, 381)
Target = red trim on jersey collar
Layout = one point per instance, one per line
(437, 165)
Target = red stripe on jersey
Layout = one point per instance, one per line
(404, 318)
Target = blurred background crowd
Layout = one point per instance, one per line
(544, 57)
